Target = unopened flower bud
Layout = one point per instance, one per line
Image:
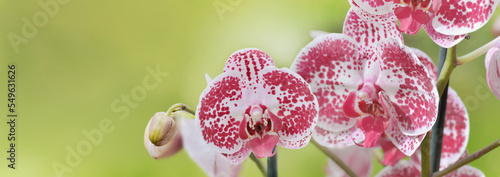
(495, 28)
(162, 129)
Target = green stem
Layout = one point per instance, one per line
(426, 157)
(448, 66)
(478, 52)
(259, 164)
(336, 159)
(476, 155)
(180, 107)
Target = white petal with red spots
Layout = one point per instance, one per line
(340, 139)
(213, 163)
(407, 82)
(456, 129)
(441, 39)
(330, 65)
(252, 106)
(456, 17)
(378, 7)
(406, 144)
(404, 168)
(369, 33)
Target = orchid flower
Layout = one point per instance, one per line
(456, 130)
(445, 21)
(411, 168)
(254, 106)
(492, 62)
(368, 84)
(358, 159)
(186, 135)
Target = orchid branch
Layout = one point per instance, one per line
(180, 107)
(476, 155)
(476, 53)
(445, 73)
(335, 159)
(426, 156)
(259, 164)
(431, 147)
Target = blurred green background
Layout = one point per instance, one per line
(91, 54)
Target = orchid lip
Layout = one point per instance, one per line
(257, 122)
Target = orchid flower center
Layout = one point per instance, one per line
(258, 122)
(412, 14)
(368, 102)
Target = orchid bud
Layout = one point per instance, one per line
(161, 137)
(162, 129)
(495, 28)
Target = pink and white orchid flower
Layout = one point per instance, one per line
(187, 136)
(254, 106)
(445, 21)
(456, 130)
(368, 83)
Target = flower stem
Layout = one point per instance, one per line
(336, 159)
(272, 164)
(259, 164)
(446, 64)
(182, 108)
(478, 52)
(437, 132)
(476, 155)
(446, 69)
(426, 157)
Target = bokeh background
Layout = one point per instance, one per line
(91, 54)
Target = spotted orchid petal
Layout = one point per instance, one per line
(213, 163)
(427, 62)
(404, 168)
(358, 159)
(492, 63)
(295, 144)
(253, 105)
(340, 139)
(456, 129)
(392, 154)
(406, 144)
(441, 39)
(377, 7)
(456, 17)
(329, 64)
(466, 171)
(410, 88)
(369, 33)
